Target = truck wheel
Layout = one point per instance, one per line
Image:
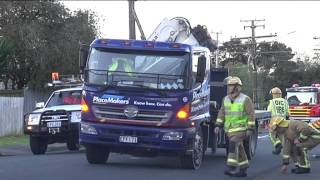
(194, 160)
(97, 154)
(38, 145)
(250, 145)
(73, 143)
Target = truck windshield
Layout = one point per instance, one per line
(142, 69)
(65, 98)
(301, 98)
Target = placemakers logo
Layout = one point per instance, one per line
(110, 100)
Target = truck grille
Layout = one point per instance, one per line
(59, 115)
(301, 111)
(106, 112)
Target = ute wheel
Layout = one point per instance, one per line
(250, 145)
(38, 145)
(97, 154)
(194, 160)
(73, 142)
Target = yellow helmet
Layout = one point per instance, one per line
(275, 90)
(234, 80)
(278, 122)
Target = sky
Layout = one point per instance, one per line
(295, 22)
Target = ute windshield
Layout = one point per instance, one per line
(64, 98)
(302, 98)
(142, 69)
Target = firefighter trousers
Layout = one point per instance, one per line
(237, 156)
(301, 152)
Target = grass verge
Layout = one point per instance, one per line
(13, 140)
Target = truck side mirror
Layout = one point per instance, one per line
(201, 69)
(83, 56)
(39, 105)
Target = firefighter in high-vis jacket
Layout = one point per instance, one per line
(237, 117)
(120, 65)
(299, 137)
(278, 107)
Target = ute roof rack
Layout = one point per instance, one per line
(65, 80)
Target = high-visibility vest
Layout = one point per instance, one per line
(278, 107)
(236, 119)
(114, 66)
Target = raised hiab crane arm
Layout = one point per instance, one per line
(176, 30)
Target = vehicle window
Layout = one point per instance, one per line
(65, 98)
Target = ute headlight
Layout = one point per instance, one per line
(34, 119)
(88, 129)
(76, 116)
(172, 136)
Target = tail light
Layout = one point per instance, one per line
(184, 112)
(84, 106)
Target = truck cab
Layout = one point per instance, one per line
(304, 102)
(56, 121)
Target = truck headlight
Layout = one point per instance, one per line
(34, 119)
(172, 136)
(76, 116)
(88, 129)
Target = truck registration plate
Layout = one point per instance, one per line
(54, 124)
(128, 139)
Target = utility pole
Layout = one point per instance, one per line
(133, 18)
(317, 49)
(253, 55)
(217, 51)
(132, 25)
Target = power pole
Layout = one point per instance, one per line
(133, 18)
(132, 25)
(317, 49)
(217, 51)
(253, 55)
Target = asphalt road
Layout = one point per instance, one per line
(73, 166)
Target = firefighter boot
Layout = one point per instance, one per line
(300, 170)
(230, 170)
(241, 173)
(277, 149)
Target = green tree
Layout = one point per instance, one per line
(46, 38)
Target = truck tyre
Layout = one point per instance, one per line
(97, 154)
(38, 145)
(194, 160)
(73, 142)
(250, 145)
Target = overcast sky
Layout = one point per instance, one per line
(295, 22)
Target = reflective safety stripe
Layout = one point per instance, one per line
(219, 121)
(285, 156)
(230, 113)
(232, 161)
(243, 163)
(237, 129)
(306, 160)
(303, 136)
(316, 136)
(250, 123)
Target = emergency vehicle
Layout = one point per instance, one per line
(304, 102)
(58, 119)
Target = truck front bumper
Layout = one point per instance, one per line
(148, 138)
(306, 119)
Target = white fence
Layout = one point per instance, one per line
(11, 116)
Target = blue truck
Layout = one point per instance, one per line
(162, 100)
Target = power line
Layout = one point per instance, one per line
(253, 54)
